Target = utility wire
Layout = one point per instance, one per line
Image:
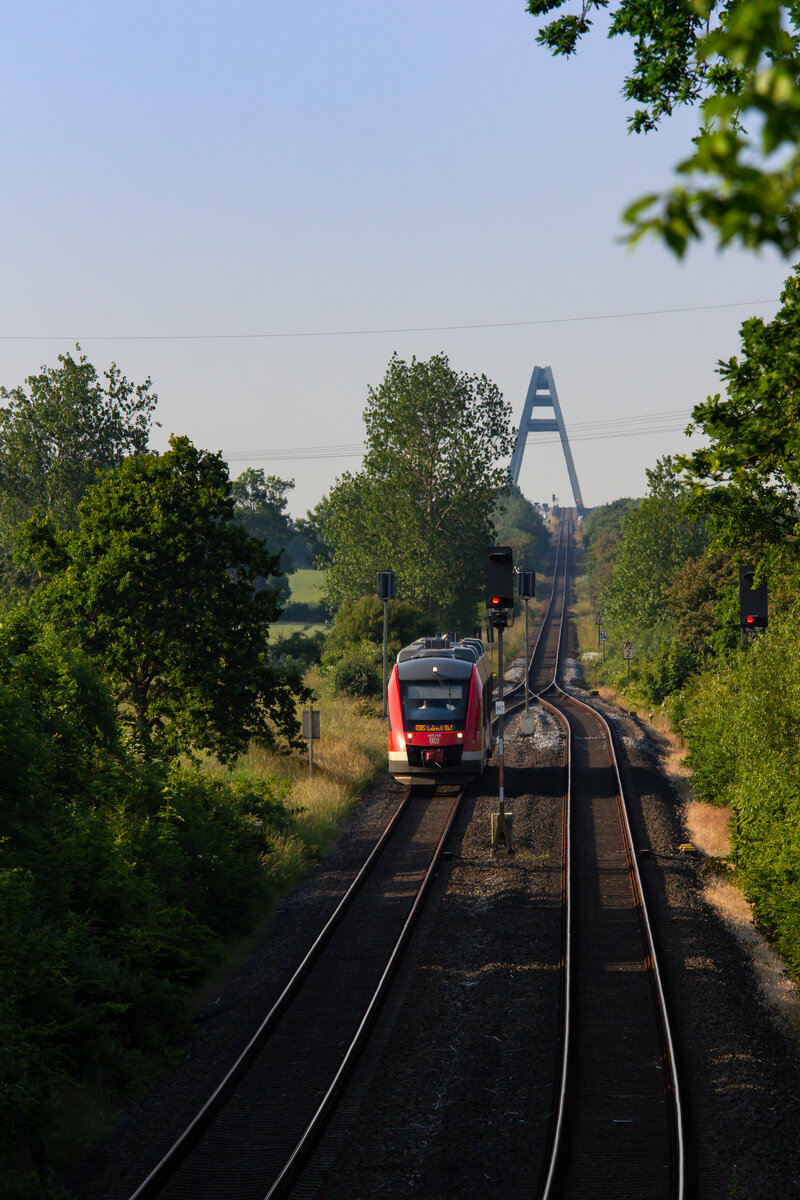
(671, 421)
(325, 333)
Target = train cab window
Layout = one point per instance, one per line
(444, 702)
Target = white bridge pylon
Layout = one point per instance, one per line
(542, 394)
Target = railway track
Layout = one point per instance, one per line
(253, 1137)
(617, 1126)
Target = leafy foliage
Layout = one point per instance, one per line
(362, 621)
(422, 503)
(747, 480)
(668, 671)
(657, 538)
(159, 584)
(703, 605)
(311, 528)
(521, 526)
(57, 433)
(743, 726)
(740, 60)
(602, 534)
(261, 502)
(356, 673)
(118, 881)
(354, 647)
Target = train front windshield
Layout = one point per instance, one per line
(431, 702)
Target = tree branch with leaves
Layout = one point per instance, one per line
(740, 61)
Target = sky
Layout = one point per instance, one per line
(256, 204)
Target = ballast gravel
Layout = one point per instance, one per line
(453, 1096)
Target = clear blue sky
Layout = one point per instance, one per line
(175, 172)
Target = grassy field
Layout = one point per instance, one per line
(306, 586)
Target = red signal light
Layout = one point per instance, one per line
(496, 602)
(749, 620)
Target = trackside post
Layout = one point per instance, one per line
(310, 732)
(526, 588)
(499, 599)
(387, 590)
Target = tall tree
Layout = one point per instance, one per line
(747, 479)
(58, 431)
(602, 534)
(422, 503)
(159, 584)
(657, 538)
(703, 604)
(521, 526)
(740, 60)
(261, 502)
(311, 528)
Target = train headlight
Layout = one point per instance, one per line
(409, 737)
(460, 737)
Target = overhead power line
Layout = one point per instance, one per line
(329, 333)
(670, 421)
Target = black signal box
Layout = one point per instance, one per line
(387, 585)
(526, 584)
(499, 578)
(752, 600)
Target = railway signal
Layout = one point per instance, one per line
(526, 584)
(752, 601)
(499, 583)
(387, 585)
(499, 600)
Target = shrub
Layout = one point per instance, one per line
(357, 674)
(118, 882)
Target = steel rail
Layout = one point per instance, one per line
(302, 1151)
(565, 1022)
(662, 1012)
(173, 1158)
(519, 687)
(662, 1015)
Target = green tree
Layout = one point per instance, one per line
(362, 621)
(521, 526)
(743, 726)
(118, 881)
(739, 60)
(159, 583)
(57, 432)
(747, 479)
(703, 604)
(422, 503)
(602, 534)
(311, 528)
(261, 502)
(658, 537)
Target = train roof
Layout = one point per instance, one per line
(469, 650)
(431, 666)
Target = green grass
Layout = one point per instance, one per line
(306, 586)
(285, 629)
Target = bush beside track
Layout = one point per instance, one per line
(121, 883)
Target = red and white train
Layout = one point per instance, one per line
(440, 711)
